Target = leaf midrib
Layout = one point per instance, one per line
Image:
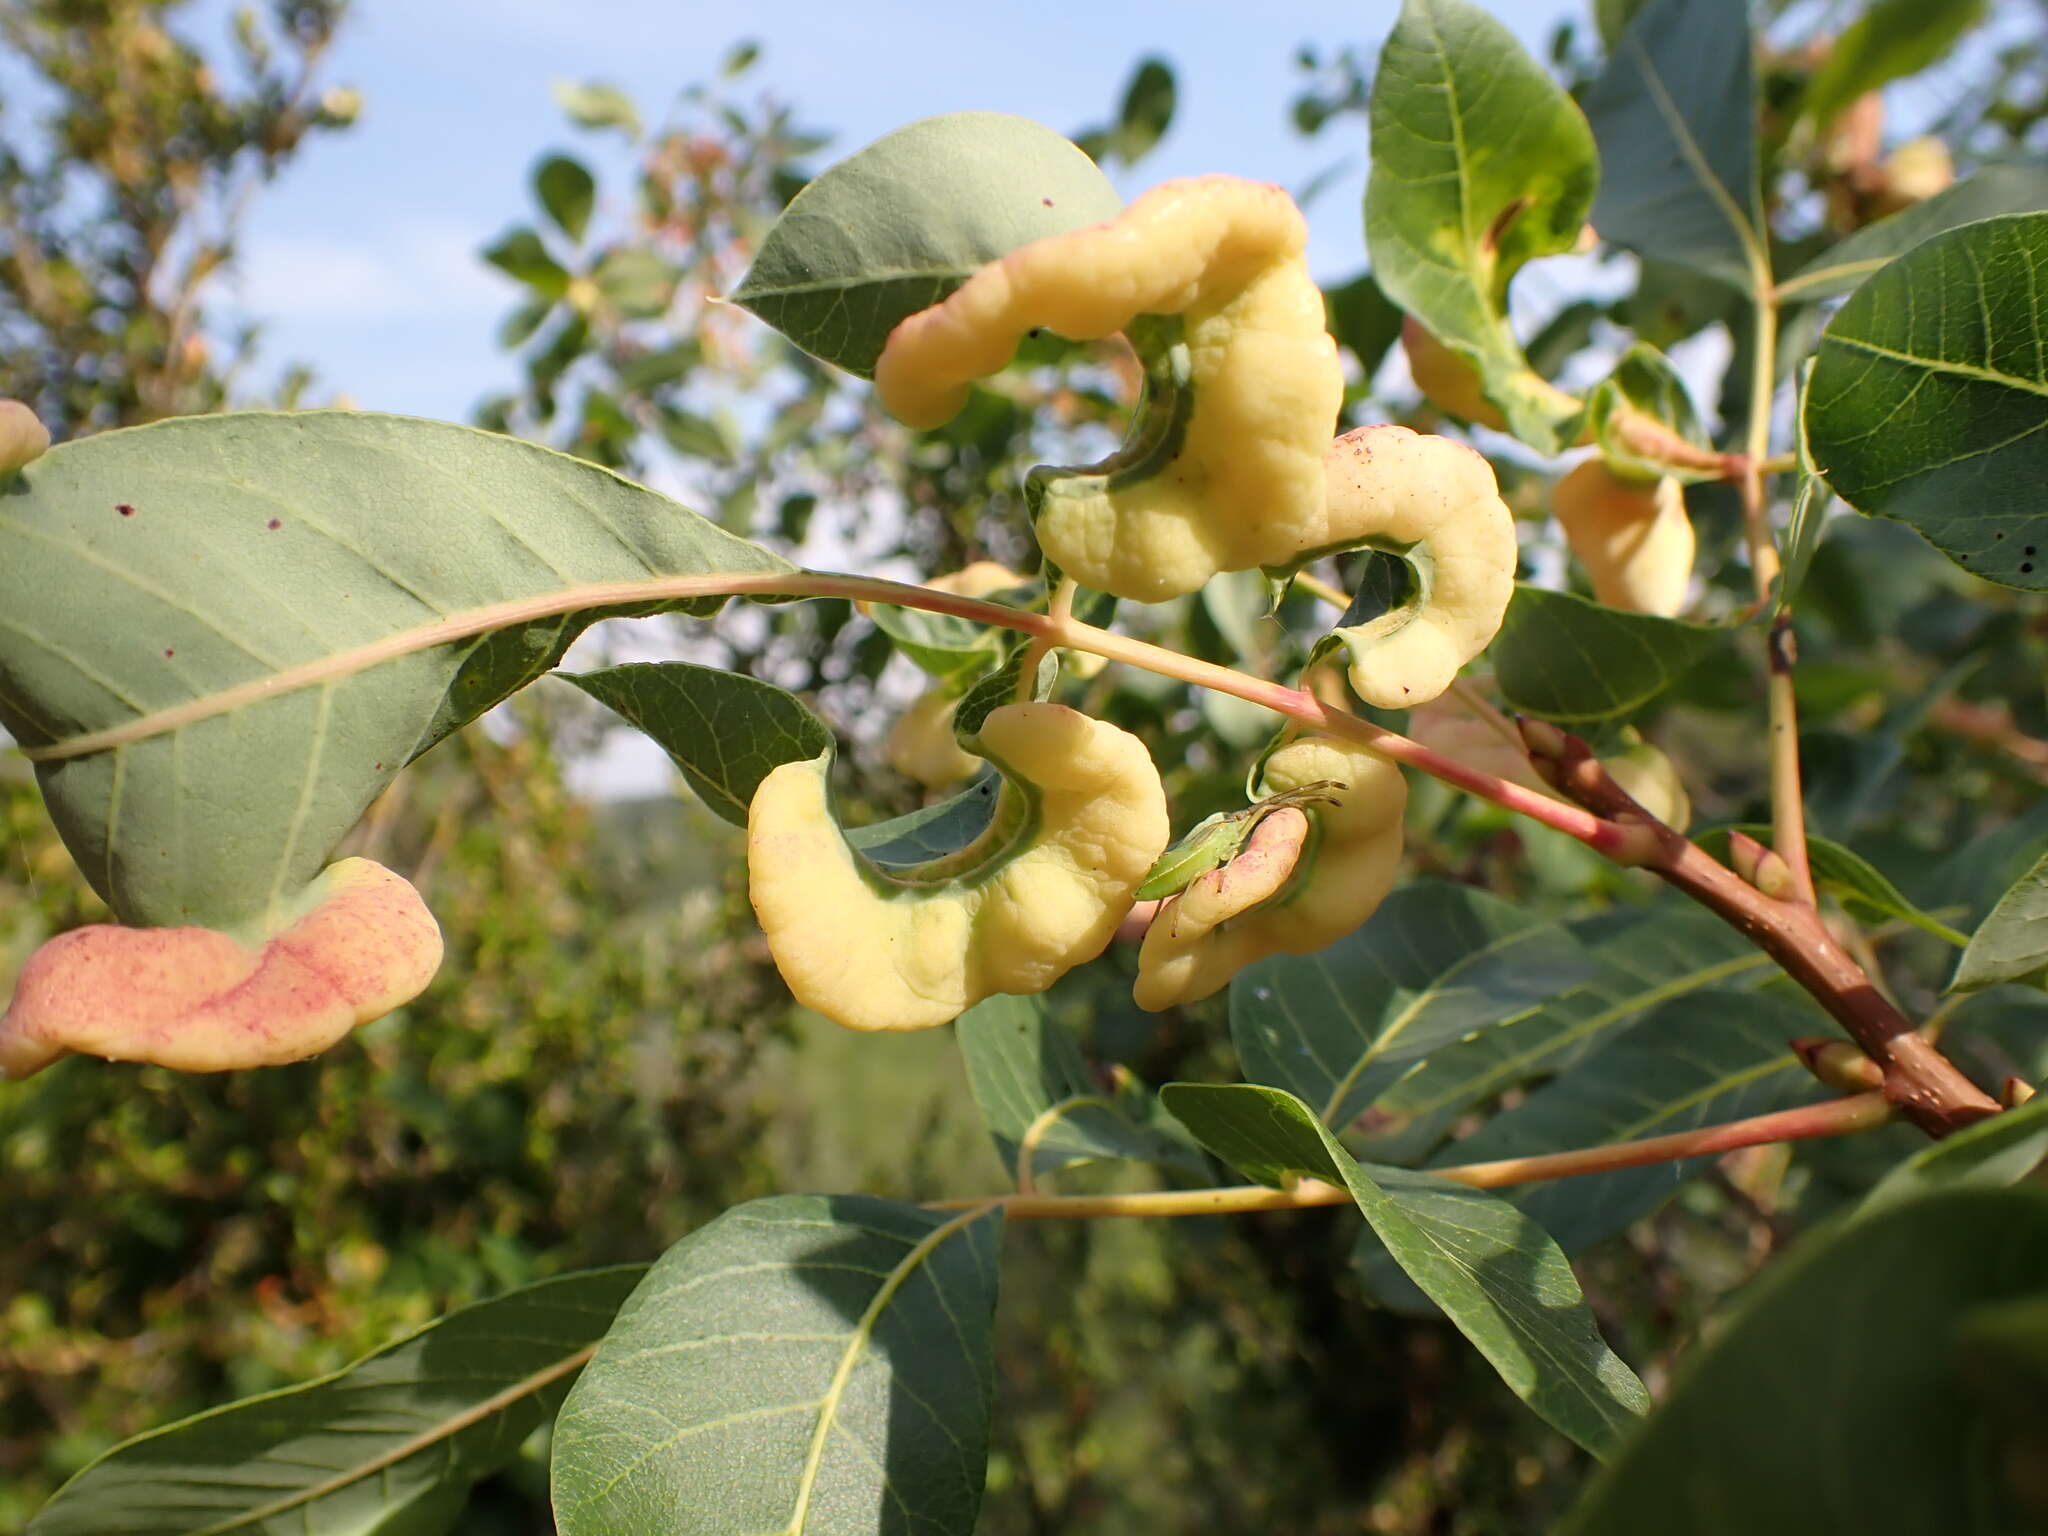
(1982, 375)
(454, 1425)
(856, 1346)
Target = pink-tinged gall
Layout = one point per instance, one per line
(358, 944)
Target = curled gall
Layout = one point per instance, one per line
(1077, 824)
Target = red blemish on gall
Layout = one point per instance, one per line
(275, 524)
(124, 509)
(1047, 201)
(169, 653)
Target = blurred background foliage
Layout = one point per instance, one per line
(607, 1058)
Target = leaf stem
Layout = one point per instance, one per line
(1831, 1117)
(1061, 608)
(1788, 801)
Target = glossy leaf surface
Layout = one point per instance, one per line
(388, 1446)
(1494, 1272)
(1434, 965)
(816, 1365)
(724, 731)
(1480, 163)
(1790, 1421)
(1929, 400)
(1569, 659)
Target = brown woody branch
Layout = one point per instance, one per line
(1924, 1084)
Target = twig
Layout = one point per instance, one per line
(1831, 1117)
(1926, 1086)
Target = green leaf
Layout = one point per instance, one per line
(1889, 41)
(1569, 659)
(1645, 382)
(521, 256)
(1995, 190)
(1991, 1154)
(644, 372)
(2012, 942)
(1147, 110)
(1364, 320)
(951, 649)
(1001, 686)
(932, 832)
(1674, 114)
(696, 437)
(567, 191)
(724, 730)
(1480, 163)
(518, 326)
(898, 226)
(1435, 964)
(1642, 962)
(1699, 1059)
(389, 1444)
(814, 1364)
(1809, 509)
(1492, 1270)
(1929, 400)
(595, 104)
(1029, 1078)
(1611, 19)
(1834, 1399)
(637, 282)
(165, 566)
(739, 59)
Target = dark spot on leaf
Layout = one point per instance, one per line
(2026, 567)
(2028, 551)
(1035, 332)
(275, 524)
(377, 768)
(124, 509)
(169, 653)
(1998, 535)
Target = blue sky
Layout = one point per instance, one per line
(362, 261)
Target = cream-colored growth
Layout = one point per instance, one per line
(1039, 893)
(356, 945)
(1245, 487)
(1448, 380)
(978, 578)
(1224, 922)
(1652, 781)
(23, 438)
(922, 746)
(1452, 727)
(1415, 490)
(1633, 537)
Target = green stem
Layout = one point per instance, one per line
(1831, 1117)
(1788, 799)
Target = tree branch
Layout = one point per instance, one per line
(1923, 1083)
(1809, 1122)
